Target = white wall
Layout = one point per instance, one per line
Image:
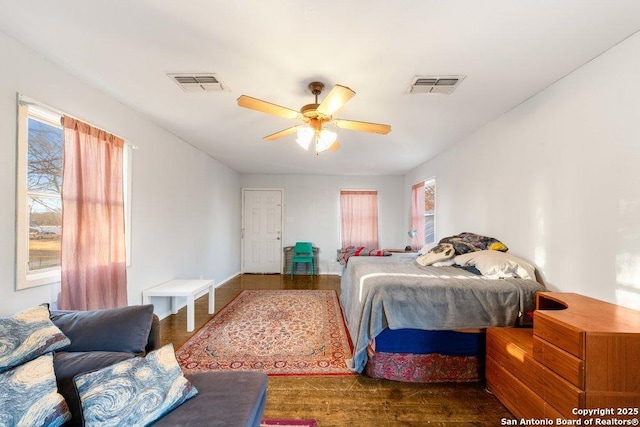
(312, 210)
(185, 207)
(557, 179)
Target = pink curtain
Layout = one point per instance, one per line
(93, 243)
(417, 215)
(359, 218)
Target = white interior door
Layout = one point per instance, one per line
(261, 231)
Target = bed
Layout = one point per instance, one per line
(422, 323)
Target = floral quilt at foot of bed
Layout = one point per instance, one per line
(424, 368)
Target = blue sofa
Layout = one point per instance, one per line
(104, 337)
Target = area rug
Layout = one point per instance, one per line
(278, 332)
(288, 423)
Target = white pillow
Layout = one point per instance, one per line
(446, 263)
(497, 264)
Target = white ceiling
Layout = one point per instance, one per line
(508, 49)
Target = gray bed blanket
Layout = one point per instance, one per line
(395, 292)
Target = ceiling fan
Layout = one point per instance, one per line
(314, 117)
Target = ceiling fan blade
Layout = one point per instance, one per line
(282, 133)
(362, 126)
(334, 101)
(267, 107)
(334, 146)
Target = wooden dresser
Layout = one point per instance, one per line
(580, 353)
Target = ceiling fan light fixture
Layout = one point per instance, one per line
(325, 139)
(314, 117)
(305, 136)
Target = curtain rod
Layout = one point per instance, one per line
(25, 100)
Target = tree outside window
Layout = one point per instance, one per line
(430, 211)
(44, 182)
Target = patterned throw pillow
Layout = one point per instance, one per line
(137, 391)
(441, 252)
(30, 397)
(27, 335)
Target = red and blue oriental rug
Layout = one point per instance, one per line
(288, 423)
(278, 332)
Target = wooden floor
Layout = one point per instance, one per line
(349, 400)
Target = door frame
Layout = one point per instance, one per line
(281, 190)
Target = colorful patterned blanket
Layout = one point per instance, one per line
(345, 254)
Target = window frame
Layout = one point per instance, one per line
(26, 279)
(431, 182)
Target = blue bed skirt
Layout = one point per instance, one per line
(418, 341)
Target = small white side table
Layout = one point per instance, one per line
(183, 288)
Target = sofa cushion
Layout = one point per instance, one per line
(154, 335)
(124, 329)
(224, 399)
(133, 392)
(68, 365)
(27, 335)
(29, 395)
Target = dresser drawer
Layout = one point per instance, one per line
(512, 348)
(561, 394)
(559, 361)
(520, 400)
(562, 335)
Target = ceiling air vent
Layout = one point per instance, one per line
(435, 84)
(198, 82)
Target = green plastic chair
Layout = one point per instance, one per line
(302, 252)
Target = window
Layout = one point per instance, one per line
(359, 218)
(430, 211)
(39, 203)
(423, 213)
